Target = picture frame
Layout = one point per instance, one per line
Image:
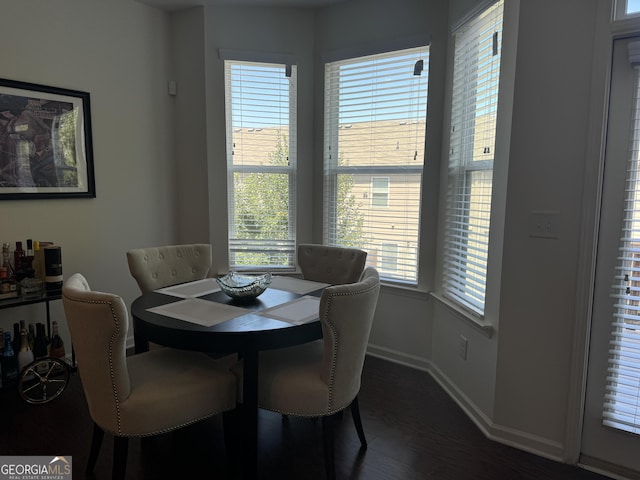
(46, 148)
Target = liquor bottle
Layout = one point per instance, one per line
(38, 261)
(27, 260)
(41, 342)
(8, 287)
(5, 258)
(31, 335)
(18, 256)
(40, 347)
(25, 354)
(16, 337)
(56, 348)
(53, 269)
(9, 363)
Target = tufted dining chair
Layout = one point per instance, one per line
(332, 265)
(158, 267)
(143, 395)
(322, 378)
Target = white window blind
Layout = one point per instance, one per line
(261, 163)
(375, 121)
(472, 147)
(622, 392)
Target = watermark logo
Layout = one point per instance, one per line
(49, 467)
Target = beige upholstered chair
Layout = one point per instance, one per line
(158, 267)
(332, 265)
(142, 395)
(321, 378)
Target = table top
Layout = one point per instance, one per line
(248, 329)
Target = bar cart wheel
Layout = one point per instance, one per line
(43, 380)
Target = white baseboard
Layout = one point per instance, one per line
(521, 440)
(401, 358)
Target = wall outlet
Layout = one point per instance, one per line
(544, 224)
(462, 347)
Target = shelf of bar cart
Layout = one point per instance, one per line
(45, 379)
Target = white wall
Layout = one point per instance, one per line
(118, 52)
(401, 330)
(549, 140)
(517, 385)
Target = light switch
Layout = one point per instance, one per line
(544, 224)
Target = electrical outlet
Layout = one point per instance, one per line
(544, 224)
(462, 347)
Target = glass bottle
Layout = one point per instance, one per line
(18, 256)
(8, 284)
(31, 335)
(5, 258)
(27, 260)
(38, 261)
(25, 354)
(56, 348)
(41, 342)
(16, 337)
(40, 347)
(9, 363)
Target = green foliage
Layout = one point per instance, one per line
(350, 221)
(261, 210)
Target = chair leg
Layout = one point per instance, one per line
(120, 450)
(229, 420)
(357, 421)
(96, 443)
(327, 437)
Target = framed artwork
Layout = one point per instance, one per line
(45, 142)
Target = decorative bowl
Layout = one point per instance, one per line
(244, 286)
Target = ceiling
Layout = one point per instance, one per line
(175, 5)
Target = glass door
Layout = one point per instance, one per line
(611, 424)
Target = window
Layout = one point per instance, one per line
(389, 257)
(375, 120)
(261, 163)
(622, 391)
(380, 192)
(470, 171)
(626, 9)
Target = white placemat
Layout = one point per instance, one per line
(297, 312)
(197, 310)
(197, 288)
(296, 285)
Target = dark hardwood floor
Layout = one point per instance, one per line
(414, 431)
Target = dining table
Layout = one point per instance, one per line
(199, 316)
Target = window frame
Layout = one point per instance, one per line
(458, 167)
(270, 246)
(333, 169)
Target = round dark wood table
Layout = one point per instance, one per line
(246, 334)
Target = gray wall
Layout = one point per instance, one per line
(119, 52)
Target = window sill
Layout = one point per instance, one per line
(466, 316)
(405, 290)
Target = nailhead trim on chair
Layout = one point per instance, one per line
(331, 410)
(111, 372)
(113, 385)
(335, 347)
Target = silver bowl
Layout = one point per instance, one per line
(244, 286)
